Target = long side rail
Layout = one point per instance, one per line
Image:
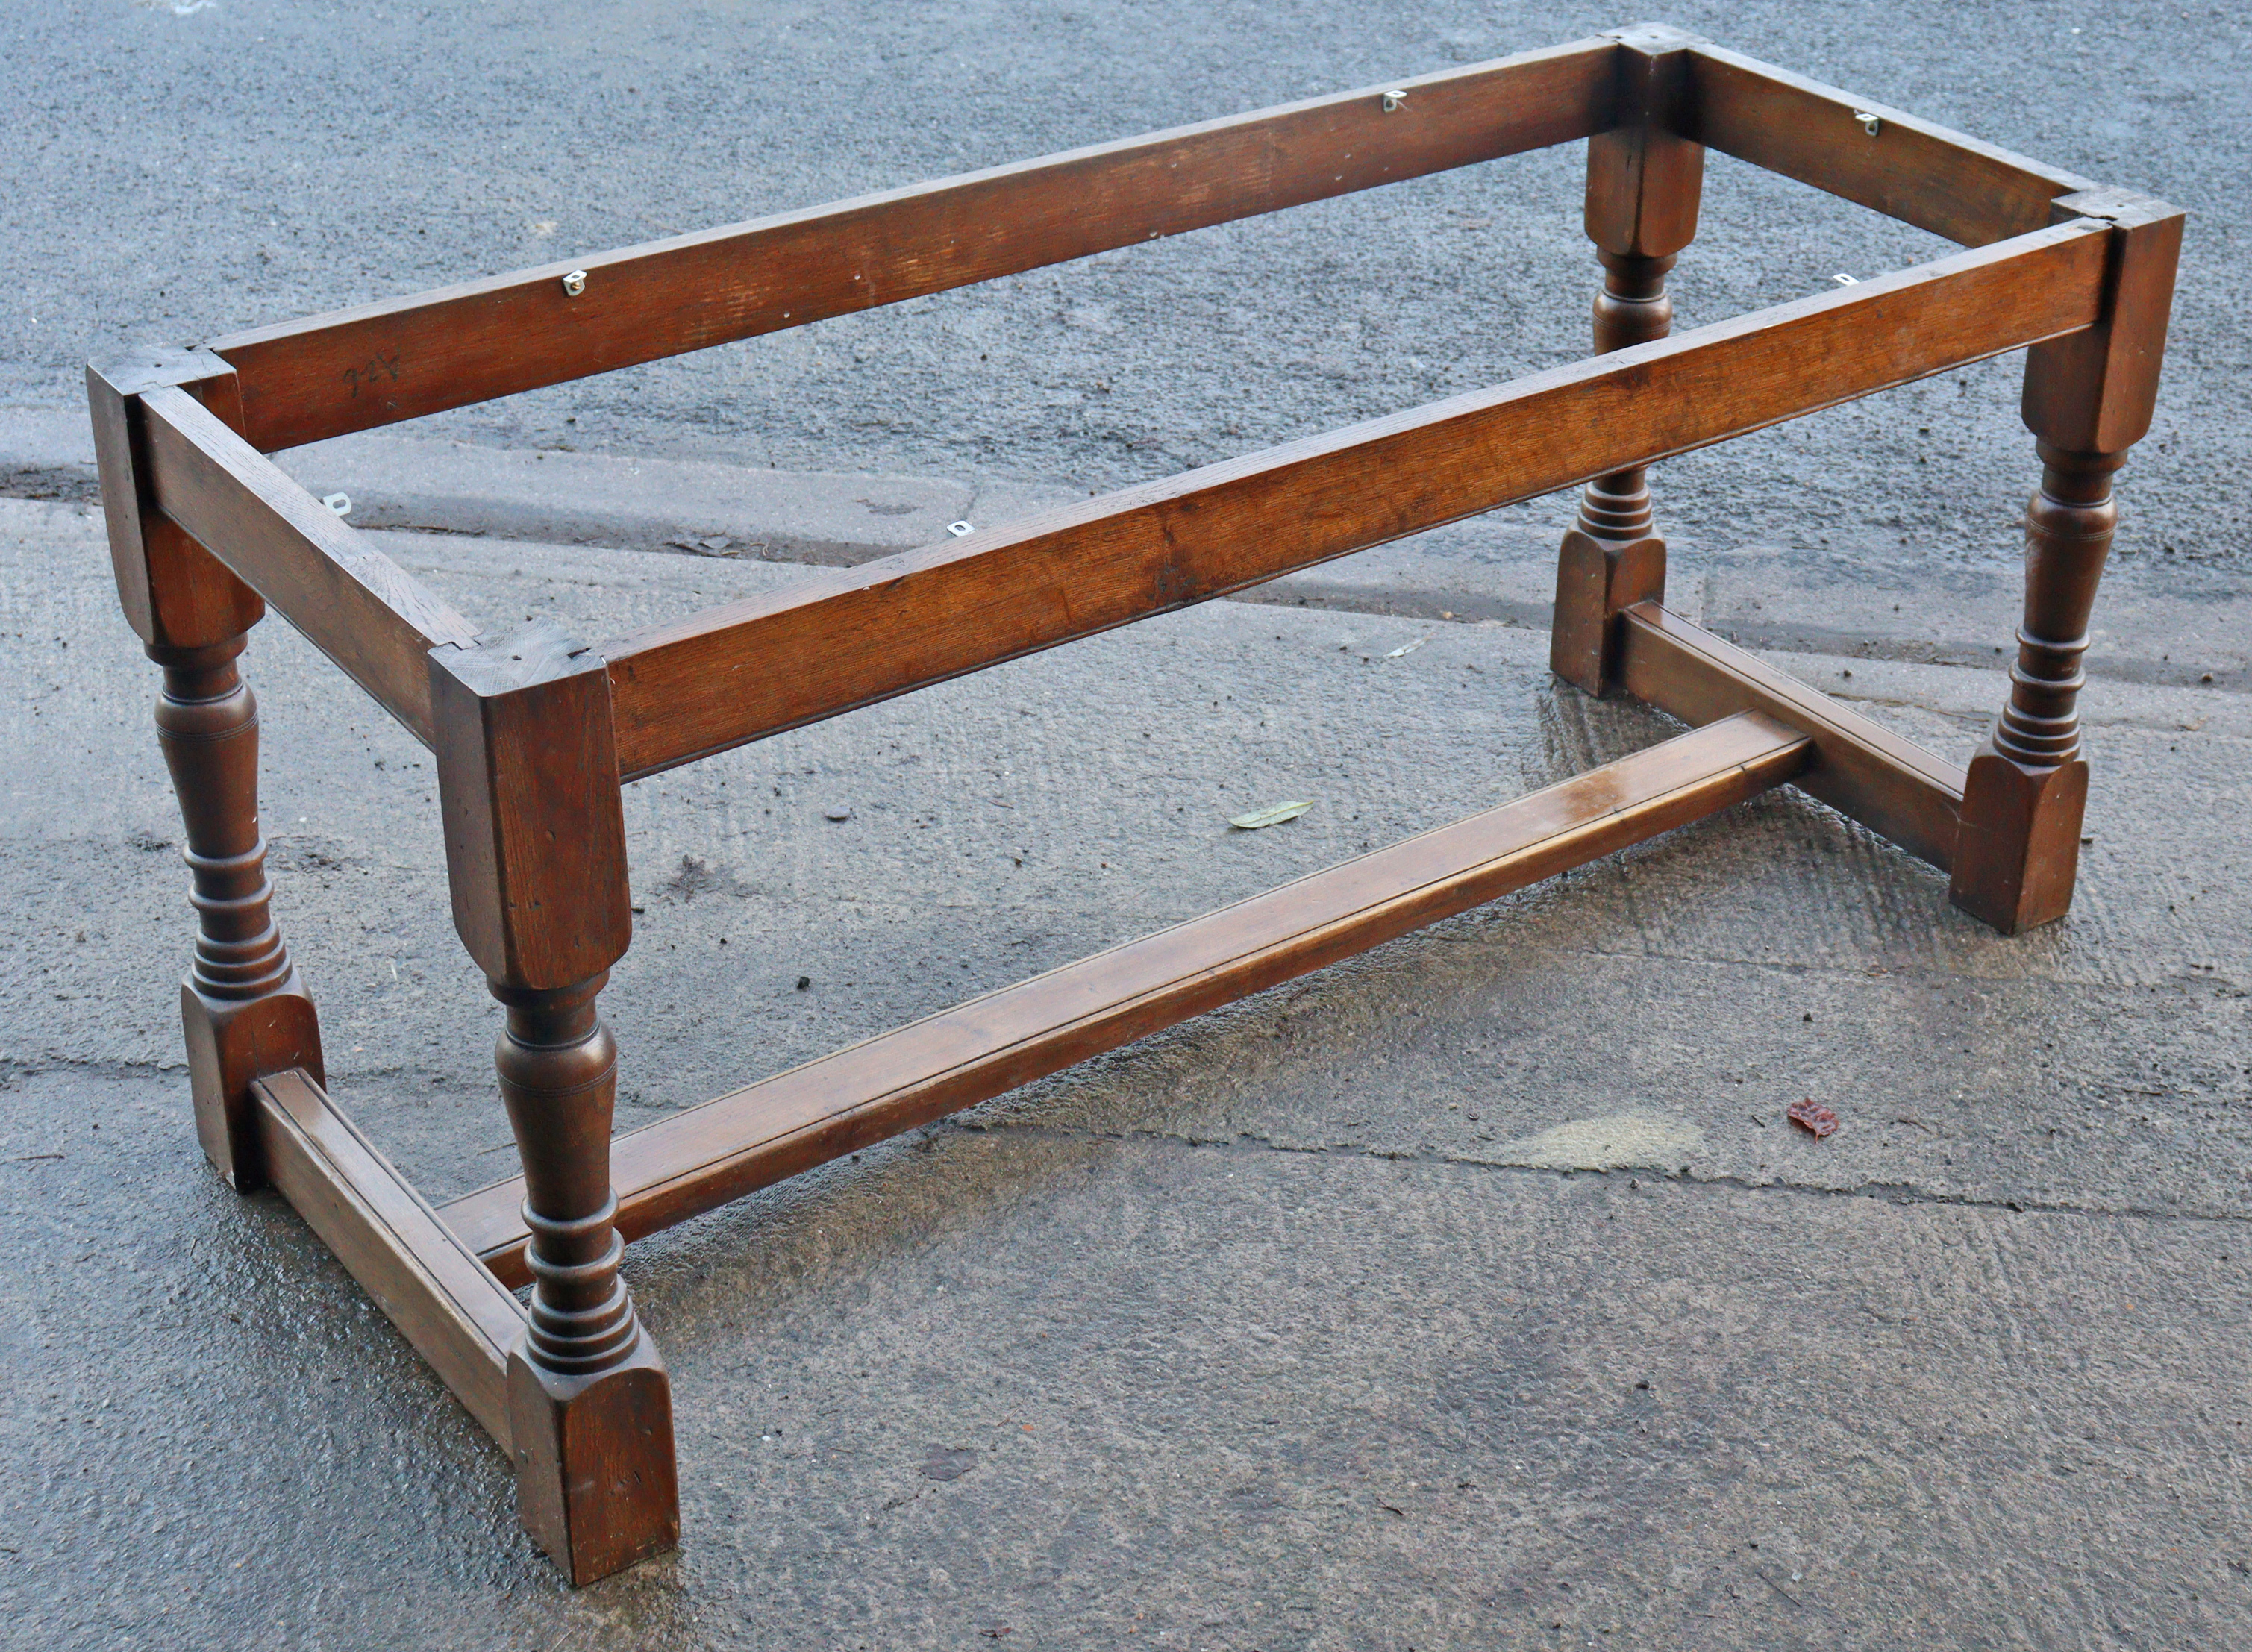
(706, 1155)
(844, 639)
(352, 602)
(1869, 153)
(457, 1314)
(1861, 769)
(305, 380)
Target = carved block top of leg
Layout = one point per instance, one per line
(528, 786)
(175, 593)
(1645, 181)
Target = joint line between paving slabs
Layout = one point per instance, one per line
(1889, 1192)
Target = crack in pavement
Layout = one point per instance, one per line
(1890, 1192)
(13, 1072)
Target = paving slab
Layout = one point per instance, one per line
(1315, 1322)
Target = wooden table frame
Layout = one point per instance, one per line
(535, 734)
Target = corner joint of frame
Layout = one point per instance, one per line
(2127, 209)
(539, 655)
(1654, 39)
(1651, 82)
(202, 375)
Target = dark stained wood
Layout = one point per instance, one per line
(596, 1483)
(559, 1077)
(2087, 399)
(175, 593)
(535, 735)
(351, 602)
(1645, 181)
(2093, 391)
(1612, 556)
(2069, 525)
(1859, 767)
(706, 1155)
(528, 789)
(1643, 186)
(1941, 181)
(536, 854)
(2018, 853)
(590, 1404)
(845, 638)
(304, 381)
(458, 1315)
(243, 1009)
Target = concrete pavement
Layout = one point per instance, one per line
(1309, 1324)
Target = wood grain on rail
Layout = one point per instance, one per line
(1859, 767)
(1939, 180)
(852, 636)
(705, 1155)
(306, 380)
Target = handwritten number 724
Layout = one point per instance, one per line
(371, 373)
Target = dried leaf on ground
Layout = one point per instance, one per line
(1274, 815)
(1812, 1117)
(946, 1463)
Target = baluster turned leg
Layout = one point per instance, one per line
(1612, 557)
(243, 1009)
(590, 1405)
(2089, 398)
(1645, 182)
(535, 851)
(2017, 848)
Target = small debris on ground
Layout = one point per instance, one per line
(1274, 815)
(1409, 648)
(1812, 1117)
(836, 813)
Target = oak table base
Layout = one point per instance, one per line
(535, 733)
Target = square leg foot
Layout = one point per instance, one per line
(1595, 580)
(2017, 850)
(596, 1484)
(231, 1043)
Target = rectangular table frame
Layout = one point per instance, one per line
(534, 733)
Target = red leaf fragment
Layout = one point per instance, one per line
(1812, 1117)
